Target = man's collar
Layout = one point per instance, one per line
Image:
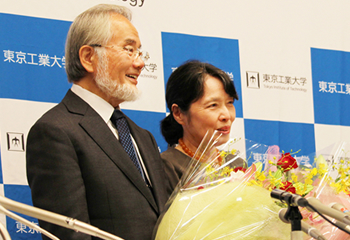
(102, 107)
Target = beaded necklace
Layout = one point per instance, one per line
(185, 148)
(191, 154)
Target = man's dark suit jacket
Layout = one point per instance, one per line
(76, 167)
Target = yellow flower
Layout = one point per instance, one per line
(270, 173)
(343, 176)
(337, 186)
(274, 182)
(261, 176)
(308, 181)
(253, 182)
(226, 171)
(314, 172)
(299, 189)
(233, 151)
(322, 169)
(294, 177)
(223, 154)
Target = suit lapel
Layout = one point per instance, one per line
(149, 156)
(98, 130)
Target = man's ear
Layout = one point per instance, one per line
(88, 58)
(177, 114)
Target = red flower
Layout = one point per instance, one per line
(239, 169)
(287, 162)
(288, 186)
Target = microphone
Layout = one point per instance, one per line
(339, 207)
(57, 219)
(306, 228)
(343, 209)
(289, 198)
(315, 204)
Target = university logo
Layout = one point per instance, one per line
(15, 142)
(253, 80)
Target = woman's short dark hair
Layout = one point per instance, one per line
(184, 87)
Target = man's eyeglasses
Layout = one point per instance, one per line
(132, 52)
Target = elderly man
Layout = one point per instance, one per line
(85, 158)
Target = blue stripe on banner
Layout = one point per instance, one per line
(151, 122)
(33, 63)
(331, 86)
(288, 136)
(222, 53)
(17, 230)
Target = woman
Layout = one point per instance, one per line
(200, 98)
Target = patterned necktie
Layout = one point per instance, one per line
(119, 120)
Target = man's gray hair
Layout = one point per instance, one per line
(91, 27)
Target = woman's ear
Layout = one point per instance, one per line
(177, 114)
(88, 58)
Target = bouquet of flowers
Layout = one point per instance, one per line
(225, 193)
